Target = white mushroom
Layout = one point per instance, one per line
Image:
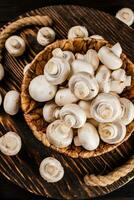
(50, 112)
(117, 86)
(82, 66)
(45, 36)
(127, 114)
(12, 102)
(87, 137)
(41, 90)
(85, 105)
(92, 57)
(59, 134)
(106, 108)
(26, 68)
(96, 37)
(1, 72)
(65, 96)
(15, 45)
(112, 133)
(103, 76)
(108, 58)
(73, 115)
(77, 31)
(57, 70)
(10, 143)
(120, 75)
(84, 86)
(116, 49)
(79, 56)
(51, 170)
(68, 55)
(126, 15)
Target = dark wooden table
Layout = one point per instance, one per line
(10, 9)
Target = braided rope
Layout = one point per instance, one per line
(115, 175)
(20, 23)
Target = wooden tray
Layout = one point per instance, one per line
(23, 168)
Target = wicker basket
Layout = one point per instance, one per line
(33, 110)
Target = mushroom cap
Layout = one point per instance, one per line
(103, 77)
(41, 90)
(73, 115)
(1, 72)
(81, 66)
(85, 105)
(84, 86)
(119, 74)
(15, 45)
(77, 31)
(57, 70)
(112, 133)
(65, 96)
(106, 108)
(88, 137)
(116, 49)
(127, 114)
(108, 58)
(117, 86)
(126, 15)
(45, 36)
(12, 102)
(79, 56)
(51, 170)
(92, 58)
(10, 143)
(59, 134)
(48, 111)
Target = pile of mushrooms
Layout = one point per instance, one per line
(81, 96)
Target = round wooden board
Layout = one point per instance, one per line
(23, 168)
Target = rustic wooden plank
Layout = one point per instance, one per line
(23, 168)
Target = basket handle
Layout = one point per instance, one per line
(20, 23)
(110, 178)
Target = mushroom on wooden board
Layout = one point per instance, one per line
(51, 170)
(12, 102)
(10, 143)
(45, 36)
(15, 45)
(77, 31)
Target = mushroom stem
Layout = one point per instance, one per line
(81, 90)
(52, 68)
(15, 43)
(56, 112)
(70, 120)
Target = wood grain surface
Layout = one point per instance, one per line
(23, 169)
